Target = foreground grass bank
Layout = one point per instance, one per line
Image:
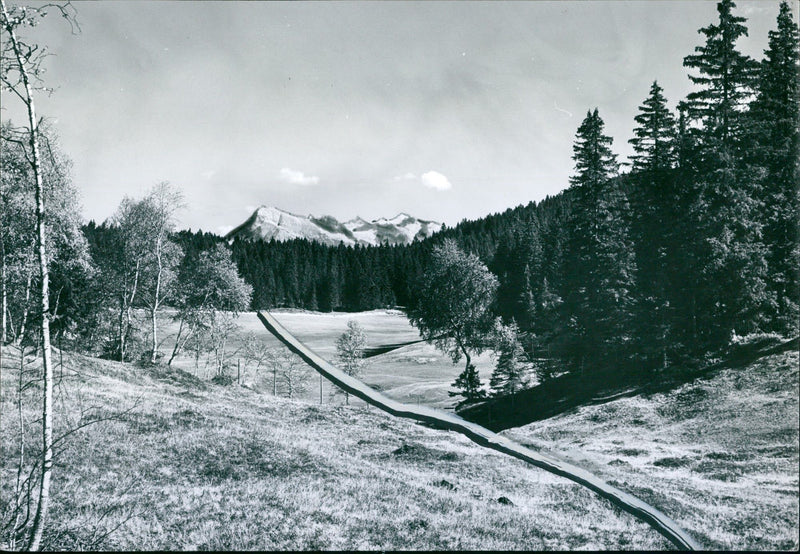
(189, 465)
(719, 454)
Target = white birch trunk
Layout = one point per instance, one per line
(47, 366)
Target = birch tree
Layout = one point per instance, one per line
(21, 72)
(163, 256)
(206, 285)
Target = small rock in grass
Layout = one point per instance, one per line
(445, 484)
(505, 501)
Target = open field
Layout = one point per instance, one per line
(417, 373)
(199, 466)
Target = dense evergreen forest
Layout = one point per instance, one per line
(694, 246)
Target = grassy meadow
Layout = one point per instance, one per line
(417, 373)
(174, 461)
(185, 464)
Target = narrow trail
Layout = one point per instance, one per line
(482, 436)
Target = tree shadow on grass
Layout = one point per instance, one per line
(568, 392)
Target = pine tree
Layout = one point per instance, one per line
(599, 272)
(653, 202)
(731, 255)
(725, 84)
(654, 137)
(775, 147)
(469, 384)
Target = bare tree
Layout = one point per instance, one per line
(221, 326)
(294, 375)
(21, 70)
(255, 351)
(275, 359)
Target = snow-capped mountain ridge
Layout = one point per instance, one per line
(269, 223)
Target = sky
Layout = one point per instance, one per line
(443, 110)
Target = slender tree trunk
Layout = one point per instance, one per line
(177, 343)
(156, 295)
(221, 356)
(3, 293)
(155, 330)
(21, 459)
(121, 328)
(24, 323)
(47, 366)
(129, 310)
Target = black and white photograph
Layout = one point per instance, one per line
(399, 275)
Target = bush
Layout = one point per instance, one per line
(223, 380)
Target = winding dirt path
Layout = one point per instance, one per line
(650, 515)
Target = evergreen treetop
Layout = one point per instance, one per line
(654, 137)
(595, 163)
(725, 78)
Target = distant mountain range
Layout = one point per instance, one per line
(272, 223)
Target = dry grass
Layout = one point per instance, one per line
(719, 455)
(196, 466)
(416, 373)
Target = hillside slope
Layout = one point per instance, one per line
(197, 466)
(719, 454)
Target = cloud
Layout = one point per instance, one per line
(405, 177)
(224, 229)
(294, 177)
(436, 180)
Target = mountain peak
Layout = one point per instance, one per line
(269, 222)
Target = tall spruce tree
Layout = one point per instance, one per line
(724, 80)
(774, 119)
(653, 200)
(599, 266)
(685, 269)
(655, 135)
(731, 255)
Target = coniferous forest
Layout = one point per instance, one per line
(694, 245)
